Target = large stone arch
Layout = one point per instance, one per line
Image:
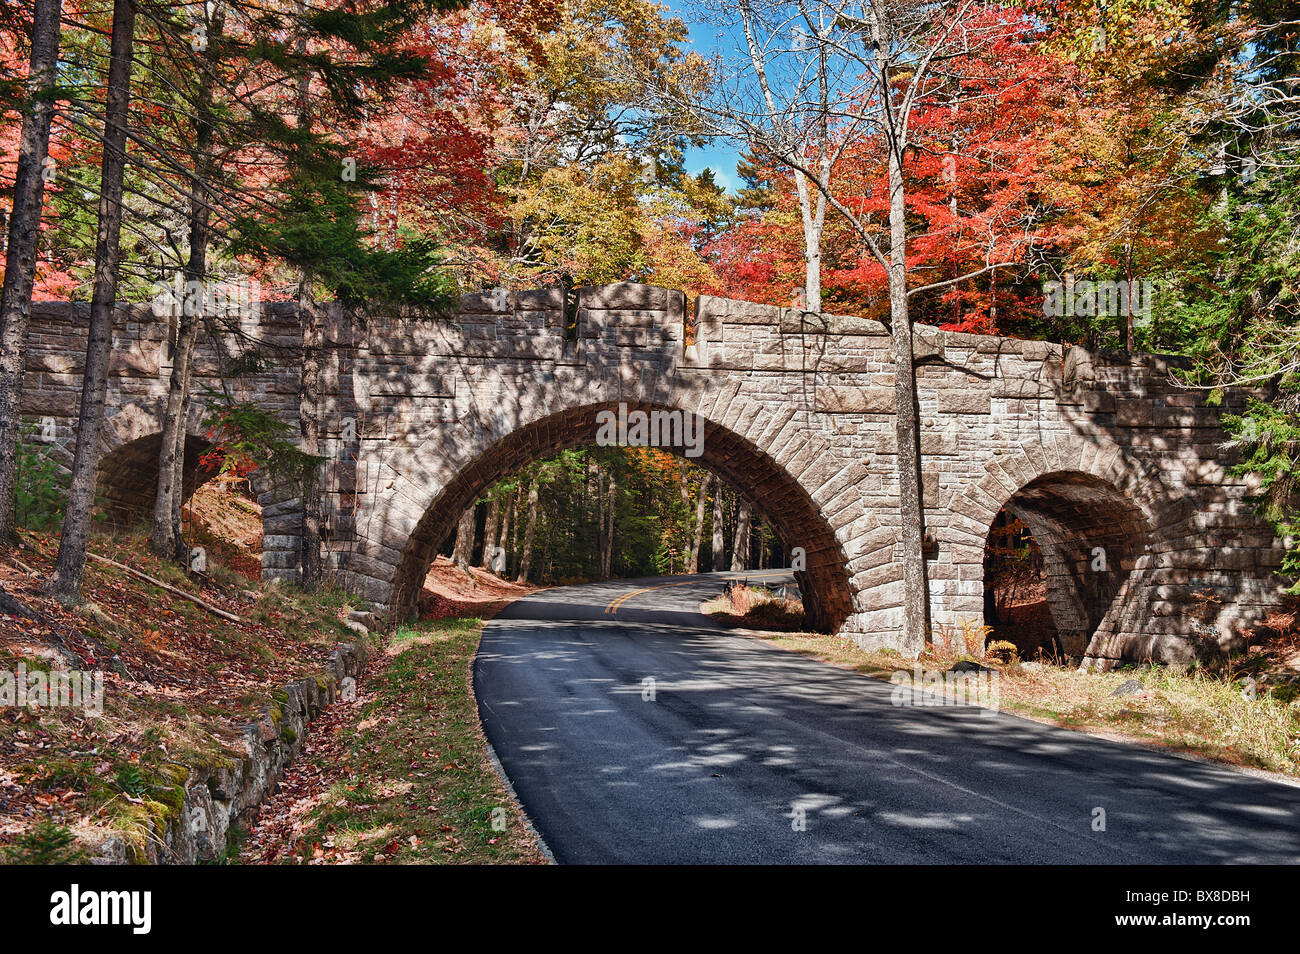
(763, 455)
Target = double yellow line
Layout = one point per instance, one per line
(613, 606)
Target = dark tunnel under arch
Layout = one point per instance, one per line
(1091, 536)
(127, 480)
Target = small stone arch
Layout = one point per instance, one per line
(130, 441)
(1099, 518)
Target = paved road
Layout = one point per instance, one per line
(742, 739)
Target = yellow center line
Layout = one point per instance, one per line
(613, 606)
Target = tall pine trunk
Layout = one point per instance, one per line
(684, 488)
(607, 558)
(309, 430)
(166, 539)
(309, 424)
(71, 561)
(464, 548)
(526, 559)
(24, 240)
(719, 544)
(740, 546)
(504, 540)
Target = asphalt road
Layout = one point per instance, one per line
(745, 753)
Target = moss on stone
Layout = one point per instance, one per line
(175, 773)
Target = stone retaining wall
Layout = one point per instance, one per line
(227, 790)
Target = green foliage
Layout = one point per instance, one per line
(653, 528)
(1244, 301)
(247, 437)
(1269, 438)
(42, 485)
(131, 781)
(316, 227)
(48, 843)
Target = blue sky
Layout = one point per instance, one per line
(720, 156)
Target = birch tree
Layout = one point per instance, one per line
(828, 76)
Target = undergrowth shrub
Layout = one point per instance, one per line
(42, 485)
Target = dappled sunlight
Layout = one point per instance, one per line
(635, 713)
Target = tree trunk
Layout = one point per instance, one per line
(71, 561)
(464, 548)
(167, 540)
(1127, 297)
(490, 533)
(600, 521)
(526, 560)
(719, 545)
(684, 487)
(309, 429)
(309, 425)
(24, 240)
(812, 214)
(607, 559)
(504, 539)
(740, 546)
(698, 541)
(915, 598)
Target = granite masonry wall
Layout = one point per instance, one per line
(1150, 549)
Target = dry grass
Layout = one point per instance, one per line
(178, 683)
(1219, 716)
(407, 778)
(755, 607)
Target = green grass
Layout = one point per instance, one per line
(419, 787)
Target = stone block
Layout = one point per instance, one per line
(853, 400)
(968, 400)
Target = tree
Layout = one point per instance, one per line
(166, 539)
(464, 548)
(882, 63)
(777, 97)
(490, 526)
(71, 560)
(717, 554)
(526, 557)
(702, 497)
(740, 545)
(23, 238)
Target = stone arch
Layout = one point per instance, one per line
(1099, 519)
(127, 479)
(761, 454)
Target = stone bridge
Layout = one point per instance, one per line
(1150, 549)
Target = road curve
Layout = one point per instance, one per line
(745, 753)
